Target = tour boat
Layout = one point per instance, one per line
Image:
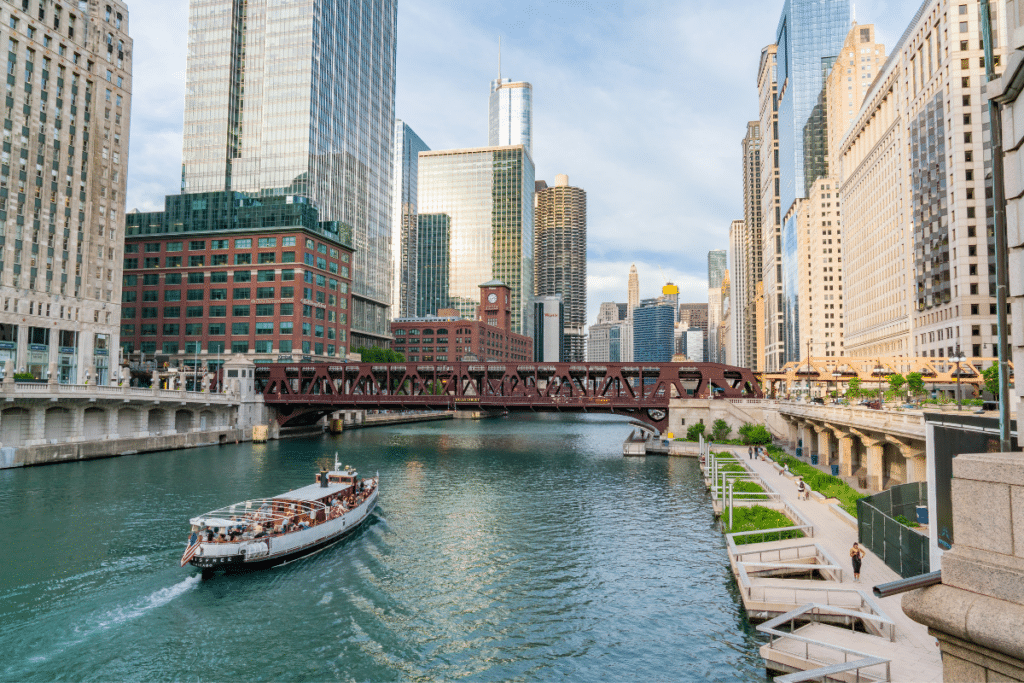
(266, 532)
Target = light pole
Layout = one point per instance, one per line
(837, 375)
(879, 370)
(958, 358)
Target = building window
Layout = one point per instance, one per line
(240, 329)
(265, 242)
(240, 311)
(241, 293)
(243, 243)
(243, 259)
(218, 311)
(215, 330)
(264, 292)
(265, 276)
(264, 328)
(265, 310)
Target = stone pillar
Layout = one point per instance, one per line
(810, 441)
(794, 433)
(77, 423)
(875, 453)
(112, 423)
(977, 610)
(824, 446)
(845, 455)
(36, 425)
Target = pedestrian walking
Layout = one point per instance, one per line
(750, 452)
(801, 489)
(857, 556)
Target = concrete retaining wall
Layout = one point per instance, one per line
(89, 450)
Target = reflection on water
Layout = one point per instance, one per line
(517, 548)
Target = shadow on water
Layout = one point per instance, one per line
(518, 548)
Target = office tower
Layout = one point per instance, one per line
(560, 257)
(670, 296)
(486, 197)
(301, 103)
(1014, 230)
(404, 225)
(433, 263)
(717, 263)
(748, 353)
(737, 292)
(809, 37)
(726, 350)
(773, 327)
(694, 345)
(220, 273)
(610, 339)
(549, 329)
(633, 292)
(917, 213)
(820, 254)
(510, 114)
(653, 323)
(69, 85)
(693, 315)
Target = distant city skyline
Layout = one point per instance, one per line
(680, 192)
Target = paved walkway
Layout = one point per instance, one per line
(918, 655)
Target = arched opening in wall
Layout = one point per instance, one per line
(183, 421)
(57, 426)
(14, 424)
(894, 466)
(207, 420)
(95, 425)
(127, 422)
(156, 421)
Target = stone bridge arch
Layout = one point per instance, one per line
(15, 426)
(94, 423)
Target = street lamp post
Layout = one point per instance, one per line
(958, 358)
(879, 371)
(838, 375)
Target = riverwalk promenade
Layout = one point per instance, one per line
(912, 653)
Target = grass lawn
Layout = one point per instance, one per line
(755, 518)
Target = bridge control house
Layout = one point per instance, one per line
(226, 273)
(447, 336)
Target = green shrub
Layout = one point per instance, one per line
(755, 435)
(720, 430)
(756, 517)
(24, 375)
(694, 432)
(749, 487)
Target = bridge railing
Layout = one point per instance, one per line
(101, 391)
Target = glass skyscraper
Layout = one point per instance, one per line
(809, 37)
(653, 332)
(405, 229)
(486, 195)
(510, 116)
(297, 99)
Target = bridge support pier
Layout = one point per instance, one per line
(876, 454)
(846, 455)
(810, 440)
(824, 446)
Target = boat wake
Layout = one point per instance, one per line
(147, 604)
(121, 615)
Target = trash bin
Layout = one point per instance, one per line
(799, 451)
(835, 470)
(814, 458)
(922, 514)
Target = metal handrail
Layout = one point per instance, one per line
(886, 590)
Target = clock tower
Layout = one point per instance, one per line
(496, 304)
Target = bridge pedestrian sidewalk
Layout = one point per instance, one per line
(915, 647)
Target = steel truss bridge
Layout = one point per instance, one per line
(302, 393)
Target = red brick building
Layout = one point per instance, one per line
(449, 337)
(221, 273)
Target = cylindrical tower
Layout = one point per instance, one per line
(560, 258)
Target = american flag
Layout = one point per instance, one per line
(191, 550)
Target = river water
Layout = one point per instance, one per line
(518, 548)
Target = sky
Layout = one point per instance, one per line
(642, 104)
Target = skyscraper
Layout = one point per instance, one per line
(301, 103)
(748, 352)
(653, 328)
(63, 203)
(773, 327)
(633, 295)
(510, 114)
(809, 37)
(486, 197)
(717, 264)
(405, 228)
(560, 257)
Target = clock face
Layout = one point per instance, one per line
(492, 297)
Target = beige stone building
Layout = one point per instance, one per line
(63, 171)
(771, 218)
(739, 261)
(748, 267)
(921, 271)
(848, 83)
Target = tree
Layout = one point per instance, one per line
(376, 355)
(896, 382)
(720, 430)
(694, 432)
(853, 389)
(991, 377)
(915, 384)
